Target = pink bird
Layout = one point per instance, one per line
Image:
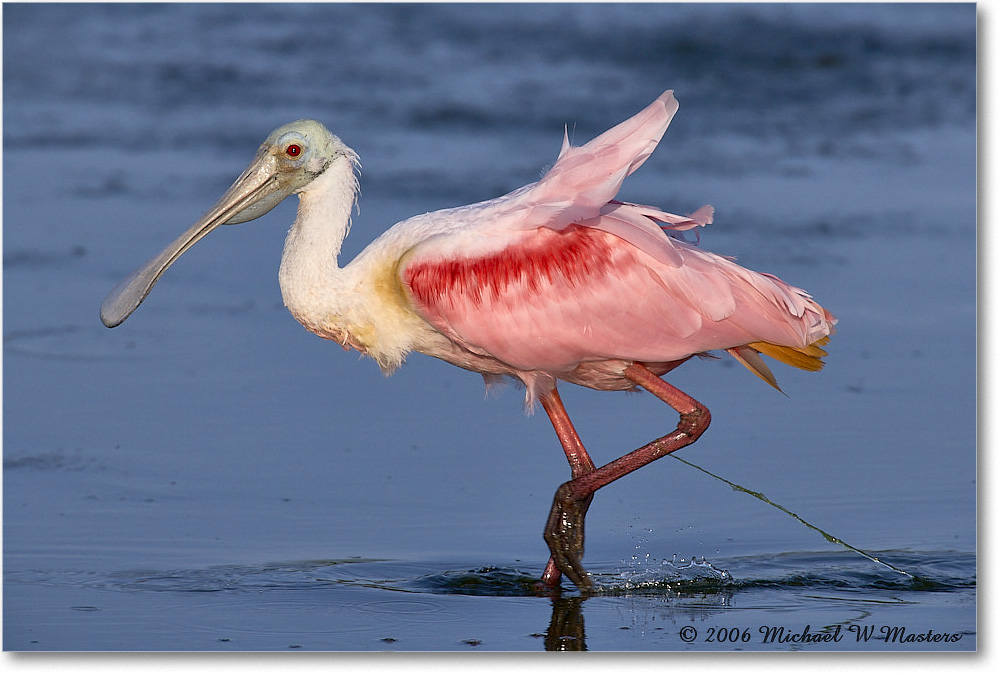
(555, 281)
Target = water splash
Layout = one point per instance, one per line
(676, 576)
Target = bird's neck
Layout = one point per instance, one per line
(310, 276)
(359, 305)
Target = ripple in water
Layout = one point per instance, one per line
(936, 572)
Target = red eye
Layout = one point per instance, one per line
(293, 150)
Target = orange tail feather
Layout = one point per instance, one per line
(806, 358)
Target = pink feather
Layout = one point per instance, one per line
(561, 274)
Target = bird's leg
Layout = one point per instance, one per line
(579, 463)
(564, 530)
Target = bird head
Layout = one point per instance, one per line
(291, 157)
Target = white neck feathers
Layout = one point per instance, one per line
(309, 270)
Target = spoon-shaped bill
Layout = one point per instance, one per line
(254, 193)
(129, 294)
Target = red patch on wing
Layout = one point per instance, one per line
(544, 256)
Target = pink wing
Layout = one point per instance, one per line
(563, 274)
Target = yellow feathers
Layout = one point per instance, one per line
(806, 358)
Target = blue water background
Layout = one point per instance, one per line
(209, 476)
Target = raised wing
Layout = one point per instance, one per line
(579, 188)
(559, 273)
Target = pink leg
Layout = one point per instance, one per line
(564, 530)
(579, 462)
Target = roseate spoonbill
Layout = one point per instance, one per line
(554, 281)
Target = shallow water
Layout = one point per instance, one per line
(387, 605)
(209, 476)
